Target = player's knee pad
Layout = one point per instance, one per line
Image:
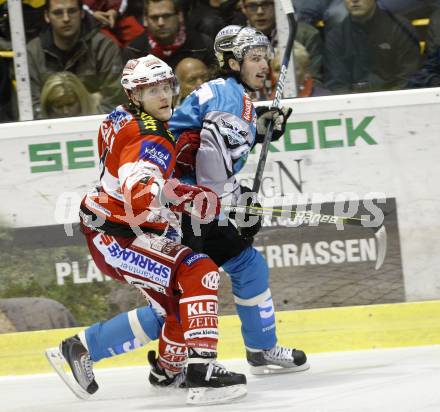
(172, 346)
(123, 333)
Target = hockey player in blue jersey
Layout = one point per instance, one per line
(216, 127)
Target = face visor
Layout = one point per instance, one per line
(151, 91)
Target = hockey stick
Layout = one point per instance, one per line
(379, 232)
(307, 216)
(290, 14)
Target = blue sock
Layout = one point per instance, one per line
(250, 284)
(123, 333)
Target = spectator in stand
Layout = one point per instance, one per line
(33, 19)
(429, 74)
(7, 112)
(121, 28)
(370, 50)
(64, 95)
(167, 37)
(261, 15)
(73, 44)
(210, 16)
(307, 86)
(191, 73)
(333, 12)
(411, 9)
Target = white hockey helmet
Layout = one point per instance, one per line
(147, 71)
(239, 40)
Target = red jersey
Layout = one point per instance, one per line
(137, 155)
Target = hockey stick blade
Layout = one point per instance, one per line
(309, 217)
(381, 241)
(57, 361)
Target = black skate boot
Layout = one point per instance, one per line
(209, 382)
(80, 363)
(77, 357)
(276, 360)
(161, 378)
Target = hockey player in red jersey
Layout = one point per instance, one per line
(126, 220)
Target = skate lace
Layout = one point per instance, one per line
(215, 368)
(279, 353)
(88, 366)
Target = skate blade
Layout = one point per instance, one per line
(211, 396)
(57, 361)
(166, 389)
(275, 369)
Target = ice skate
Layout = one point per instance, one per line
(276, 360)
(209, 382)
(73, 352)
(161, 378)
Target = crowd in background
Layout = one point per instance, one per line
(76, 49)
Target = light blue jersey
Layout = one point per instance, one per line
(223, 112)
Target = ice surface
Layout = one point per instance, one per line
(386, 380)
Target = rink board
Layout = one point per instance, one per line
(315, 330)
(357, 147)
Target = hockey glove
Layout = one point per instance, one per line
(265, 115)
(249, 225)
(197, 201)
(186, 151)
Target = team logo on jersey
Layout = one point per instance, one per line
(232, 133)
(155, 153)
(211, 280)
(119, 119)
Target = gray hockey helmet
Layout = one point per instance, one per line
(239, 40)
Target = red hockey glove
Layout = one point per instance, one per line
(196, 201)
(186, 149)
